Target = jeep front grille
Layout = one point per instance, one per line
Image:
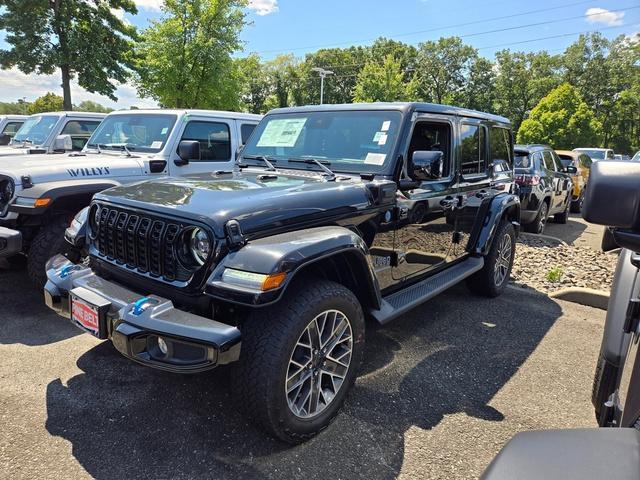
(139, 242)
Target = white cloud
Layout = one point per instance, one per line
(604, 16)
(16, 84)
(264, 7)
(154, 5)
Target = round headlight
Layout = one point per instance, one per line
(200, 245)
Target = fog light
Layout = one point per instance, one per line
(162, 345)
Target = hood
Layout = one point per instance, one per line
(258, 199)
(8, 150)
(56, 167)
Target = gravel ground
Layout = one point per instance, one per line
(547, 266)
(441, 391)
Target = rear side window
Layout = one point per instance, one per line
(214, 139)
(547, 159)
(11, 128)
(245, 132)
(500, 141)
(80, 131)
(473, 149)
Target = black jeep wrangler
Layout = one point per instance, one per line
(334, 214)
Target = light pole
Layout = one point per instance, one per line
(323, 73)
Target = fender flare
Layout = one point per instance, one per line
(292, 252)
(501, 206)
(57, 191)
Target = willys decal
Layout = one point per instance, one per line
(88, 172)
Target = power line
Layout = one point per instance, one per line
(435, 29)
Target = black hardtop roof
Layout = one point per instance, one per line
(400, 106)
(534, 147)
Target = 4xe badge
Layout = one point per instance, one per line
(88, 172)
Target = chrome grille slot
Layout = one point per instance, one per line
(143, 243)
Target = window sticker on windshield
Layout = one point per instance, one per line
(386, 125)
(281, 132)
(164, 131)
(156, 144)
(383, 139)
(375, 158)
(376, 137)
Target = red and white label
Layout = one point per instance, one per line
(85, 315)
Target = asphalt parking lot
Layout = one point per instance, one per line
(442, 390)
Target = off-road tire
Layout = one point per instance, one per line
(48, 242)
(483, 282)
(538, 224)
(269, 336)
(576, 205)
(562, 216)
(17, 262)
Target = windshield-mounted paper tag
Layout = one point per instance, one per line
(281, 132)
(156, 144)
(386, 125)
(383, 139)
(375, 158)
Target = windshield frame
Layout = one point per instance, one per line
(27, 123)
(171, 126)
(335, 165)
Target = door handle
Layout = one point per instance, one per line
(483, 194)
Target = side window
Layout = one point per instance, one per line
(537, 161)
(472, 149)
(80, 131)
(585, 161)
(500, 141)
(245, 132)
(432, 136)
(557, 161)
(214, 138)
(548, 160)
(11, 128)
(610, 154)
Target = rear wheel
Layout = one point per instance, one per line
(562, 216)
(576, 205)
(48, 242)
(299, 358)
(538, 224)
(494, 276)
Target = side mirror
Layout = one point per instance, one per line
(187, 150)
(62, 143)
(571, 170)
(612, 197)
(4, 139)
(426, 165)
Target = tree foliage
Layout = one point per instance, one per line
(561, 119)
(83, 39)
(383, 83)
(184, 59)
(49, 102)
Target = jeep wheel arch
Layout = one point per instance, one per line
(333, 253)
(503, 206)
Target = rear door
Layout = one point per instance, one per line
(217, 144)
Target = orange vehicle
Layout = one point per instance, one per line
(582, 162)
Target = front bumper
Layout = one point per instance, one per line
(10, 242)
(191, 343)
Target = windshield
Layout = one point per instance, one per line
(594, 154)
(346, 141)
(35, 130)
(138, 132)
(636, 157)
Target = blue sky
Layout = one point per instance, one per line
(302, 26)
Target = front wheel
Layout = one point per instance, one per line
(576, 205)
(48, 242)
(299, 359)
(538, 224)
(494, 276)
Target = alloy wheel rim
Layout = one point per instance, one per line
(543, 219)
(319, 364)
(503, 261)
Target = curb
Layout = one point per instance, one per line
(545, 237)
(583, 296)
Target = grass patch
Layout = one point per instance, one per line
(555, 274)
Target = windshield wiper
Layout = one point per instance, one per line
(312, 161)
(126, 147)
(266, 161)
(98, 146)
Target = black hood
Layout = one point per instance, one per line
(259, 200)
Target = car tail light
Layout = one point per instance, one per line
(528, 180)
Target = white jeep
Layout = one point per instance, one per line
(53, 132)
(40, 194)
(9, 125)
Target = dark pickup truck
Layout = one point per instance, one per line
(333, 215)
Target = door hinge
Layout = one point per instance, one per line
(234, 234)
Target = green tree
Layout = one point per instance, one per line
(84, 39)
(184, 59)
(443, 67)
(479, 91)
(522, 80)
(49, 102)
(89, 106)
(254, 84)
(383, 83)
(561, 119)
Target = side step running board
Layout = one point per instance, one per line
(404, 300)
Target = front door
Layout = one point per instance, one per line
(424, 230)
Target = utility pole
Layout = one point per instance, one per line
(323, 73)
